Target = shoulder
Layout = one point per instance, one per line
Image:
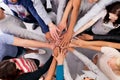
(110, 51)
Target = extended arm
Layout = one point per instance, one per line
(63, 23)
(74, 15)
(73, 18)
(38, 18)
(90, 65)
(93, 11)
(37, 10)
(67, 11)
(30, 43)
(52, 68)
(95, 45)
(90, 23)
(19, 31)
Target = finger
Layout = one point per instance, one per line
(61, 37)
(73, 40)
(59, 51)
(56, 36)
(76, 38)
(62, 44)
(52, 35)
(58, 29)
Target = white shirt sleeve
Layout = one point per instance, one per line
(110, 51)
(100, 15)
(91, 13)
(90, 65)
(41, 11)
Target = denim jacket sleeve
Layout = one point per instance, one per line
(33, 11)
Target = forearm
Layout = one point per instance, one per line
(90, 14)
(86, 61)
(74, 15)
(90, 65)
(30, 43)
(102, 43)
(83, 28)
(51, 70)
(67, 11)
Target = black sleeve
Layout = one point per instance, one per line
(113, 38)
(36, 74)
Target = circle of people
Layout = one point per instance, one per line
(67, 25)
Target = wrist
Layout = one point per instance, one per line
(49, 45)
(60, 63)
(50, 24)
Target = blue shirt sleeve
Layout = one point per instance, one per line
(7, 39)
(59, 72)
(33, 11)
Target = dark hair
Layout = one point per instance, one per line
(115, 9)
(2, 8)
(8, 70)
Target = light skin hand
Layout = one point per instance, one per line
(56, 51)
(49, 37)
(66, 39)
(54, 31)
(74, 13)
(77, 43)
(62, 25)
(60, 57)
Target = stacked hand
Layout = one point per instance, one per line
(62, 26)
(61, 55)
(54, 30)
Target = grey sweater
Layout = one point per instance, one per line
(12, 25)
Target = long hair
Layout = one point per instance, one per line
(115, 9)
(8, 70)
